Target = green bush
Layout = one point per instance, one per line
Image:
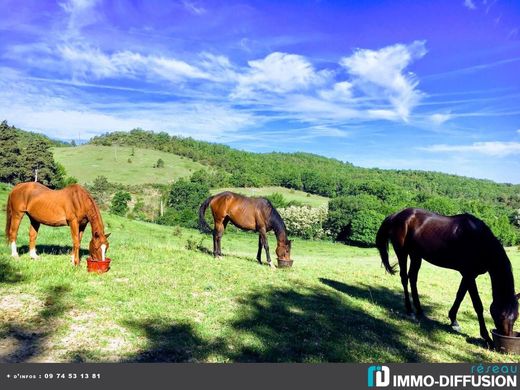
(364, 227)
(183, 203)
(119, 204)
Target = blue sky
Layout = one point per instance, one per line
(430, 85)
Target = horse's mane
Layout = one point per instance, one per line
(93, 212)
(275, 220)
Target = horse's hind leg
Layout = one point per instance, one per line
(415, 265)
(265, 244)
(218, 232)
(402, 256)
(16, 218)
(33, 234)
(452, 314)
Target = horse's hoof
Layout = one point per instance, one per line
(35, 257)
(271, 265)
(456, 327)
(218, 257)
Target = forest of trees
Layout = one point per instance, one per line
(22, 154)
(361, 197)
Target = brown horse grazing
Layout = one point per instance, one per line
(461, 242)
(255, 214)
(72, 206)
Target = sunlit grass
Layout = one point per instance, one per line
(166, 299)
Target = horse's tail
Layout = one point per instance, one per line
(8, 218)
(382, 238)
(203, 225)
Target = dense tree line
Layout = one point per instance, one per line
(23, 154)
(361, 197)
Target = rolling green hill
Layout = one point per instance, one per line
(166, 299)
(119, 166)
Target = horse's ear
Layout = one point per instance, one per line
(107, 235)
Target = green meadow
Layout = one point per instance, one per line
(117, 164)
(167, 299)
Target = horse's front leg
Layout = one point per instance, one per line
(452, 314)
(415, 265)
(33, 234)
(74, 231)
(477, 305)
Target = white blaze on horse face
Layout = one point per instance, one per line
(103, 251)
(14, 252)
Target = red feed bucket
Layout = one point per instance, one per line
(98, 267)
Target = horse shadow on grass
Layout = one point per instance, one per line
(299, 324)
(177, 343)
(281, 325)
(26, 341)
(393, 303)
(52, 250)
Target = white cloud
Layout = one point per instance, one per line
(81, 13)
(469, 4)
(56, 111)
(341, 91)
(193, 7)
(279, 73)
(86, 62)
(491, 148)
(440, 118)
(379, 73)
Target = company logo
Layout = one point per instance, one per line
(378, 376)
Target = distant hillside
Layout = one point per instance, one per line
(124, 164)
(25, 137)
(360, 197)
(309, 172)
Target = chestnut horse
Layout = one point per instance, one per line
(256, 214)
(461, 242)
(72, 206)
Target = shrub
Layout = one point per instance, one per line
(304, 221)
(364, 227)
(183, 203)
(119, 205)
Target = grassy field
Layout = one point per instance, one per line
(300, 196)
(167, 299)
(88, 161)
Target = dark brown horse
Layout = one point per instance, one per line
(72, 206)
(255, 214)
(461, 242)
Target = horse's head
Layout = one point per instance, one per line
(98, 246)
(505, 315)
(283, 250)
